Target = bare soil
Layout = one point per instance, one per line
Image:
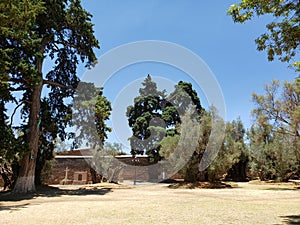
(243, 203)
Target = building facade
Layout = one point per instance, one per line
(79, 167)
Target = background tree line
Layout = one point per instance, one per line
(268, 150)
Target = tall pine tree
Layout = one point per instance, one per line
(30, 32)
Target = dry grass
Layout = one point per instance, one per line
(246, 203)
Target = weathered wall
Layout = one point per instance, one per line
(58, 171)
(131, 169)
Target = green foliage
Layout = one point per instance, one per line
(105, 163)
(274, 157)
(168, 145)
(114, 149)
(259, 138)
(191, 170)
(274, 140)
(30, 32)
(238, 152)
(12, 148)
(92, 110)
(281, 108)
(232, 158)
(155, 115)
(144, 117)
(283, 36)
(178, 148)
(232, 151)
(17, 21)
(285, 154)
(232, 155)
(183, 98)
(47, 170)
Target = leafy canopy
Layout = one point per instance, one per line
(283, 34)
(91, 110)
(31, 32)
(274, 138)
(144, 117)
(155, 115)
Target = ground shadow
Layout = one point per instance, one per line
(282, 189)
(173, 184)
(291, 219)
(13, 207)
(48, 191)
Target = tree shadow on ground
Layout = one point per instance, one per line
(291, 219)
(13, 207)
(48, 191)
(282, 189)
(196, 185)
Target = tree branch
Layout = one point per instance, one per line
(66, 44)
(17, 89)
(285, 132)
(58, 85)
(14, 112)
(277, 117)
(18, 81)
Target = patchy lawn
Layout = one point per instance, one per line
(244, 203)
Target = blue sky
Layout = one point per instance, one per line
(201, 26)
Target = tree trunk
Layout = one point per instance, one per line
(25, 181)
(95, 177)
(192, 173)
(238, 171)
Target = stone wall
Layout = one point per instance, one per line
(58, 172)
(74, 162)
(137, 168)
(130, 169)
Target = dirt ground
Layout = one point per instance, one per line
(244, 203)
